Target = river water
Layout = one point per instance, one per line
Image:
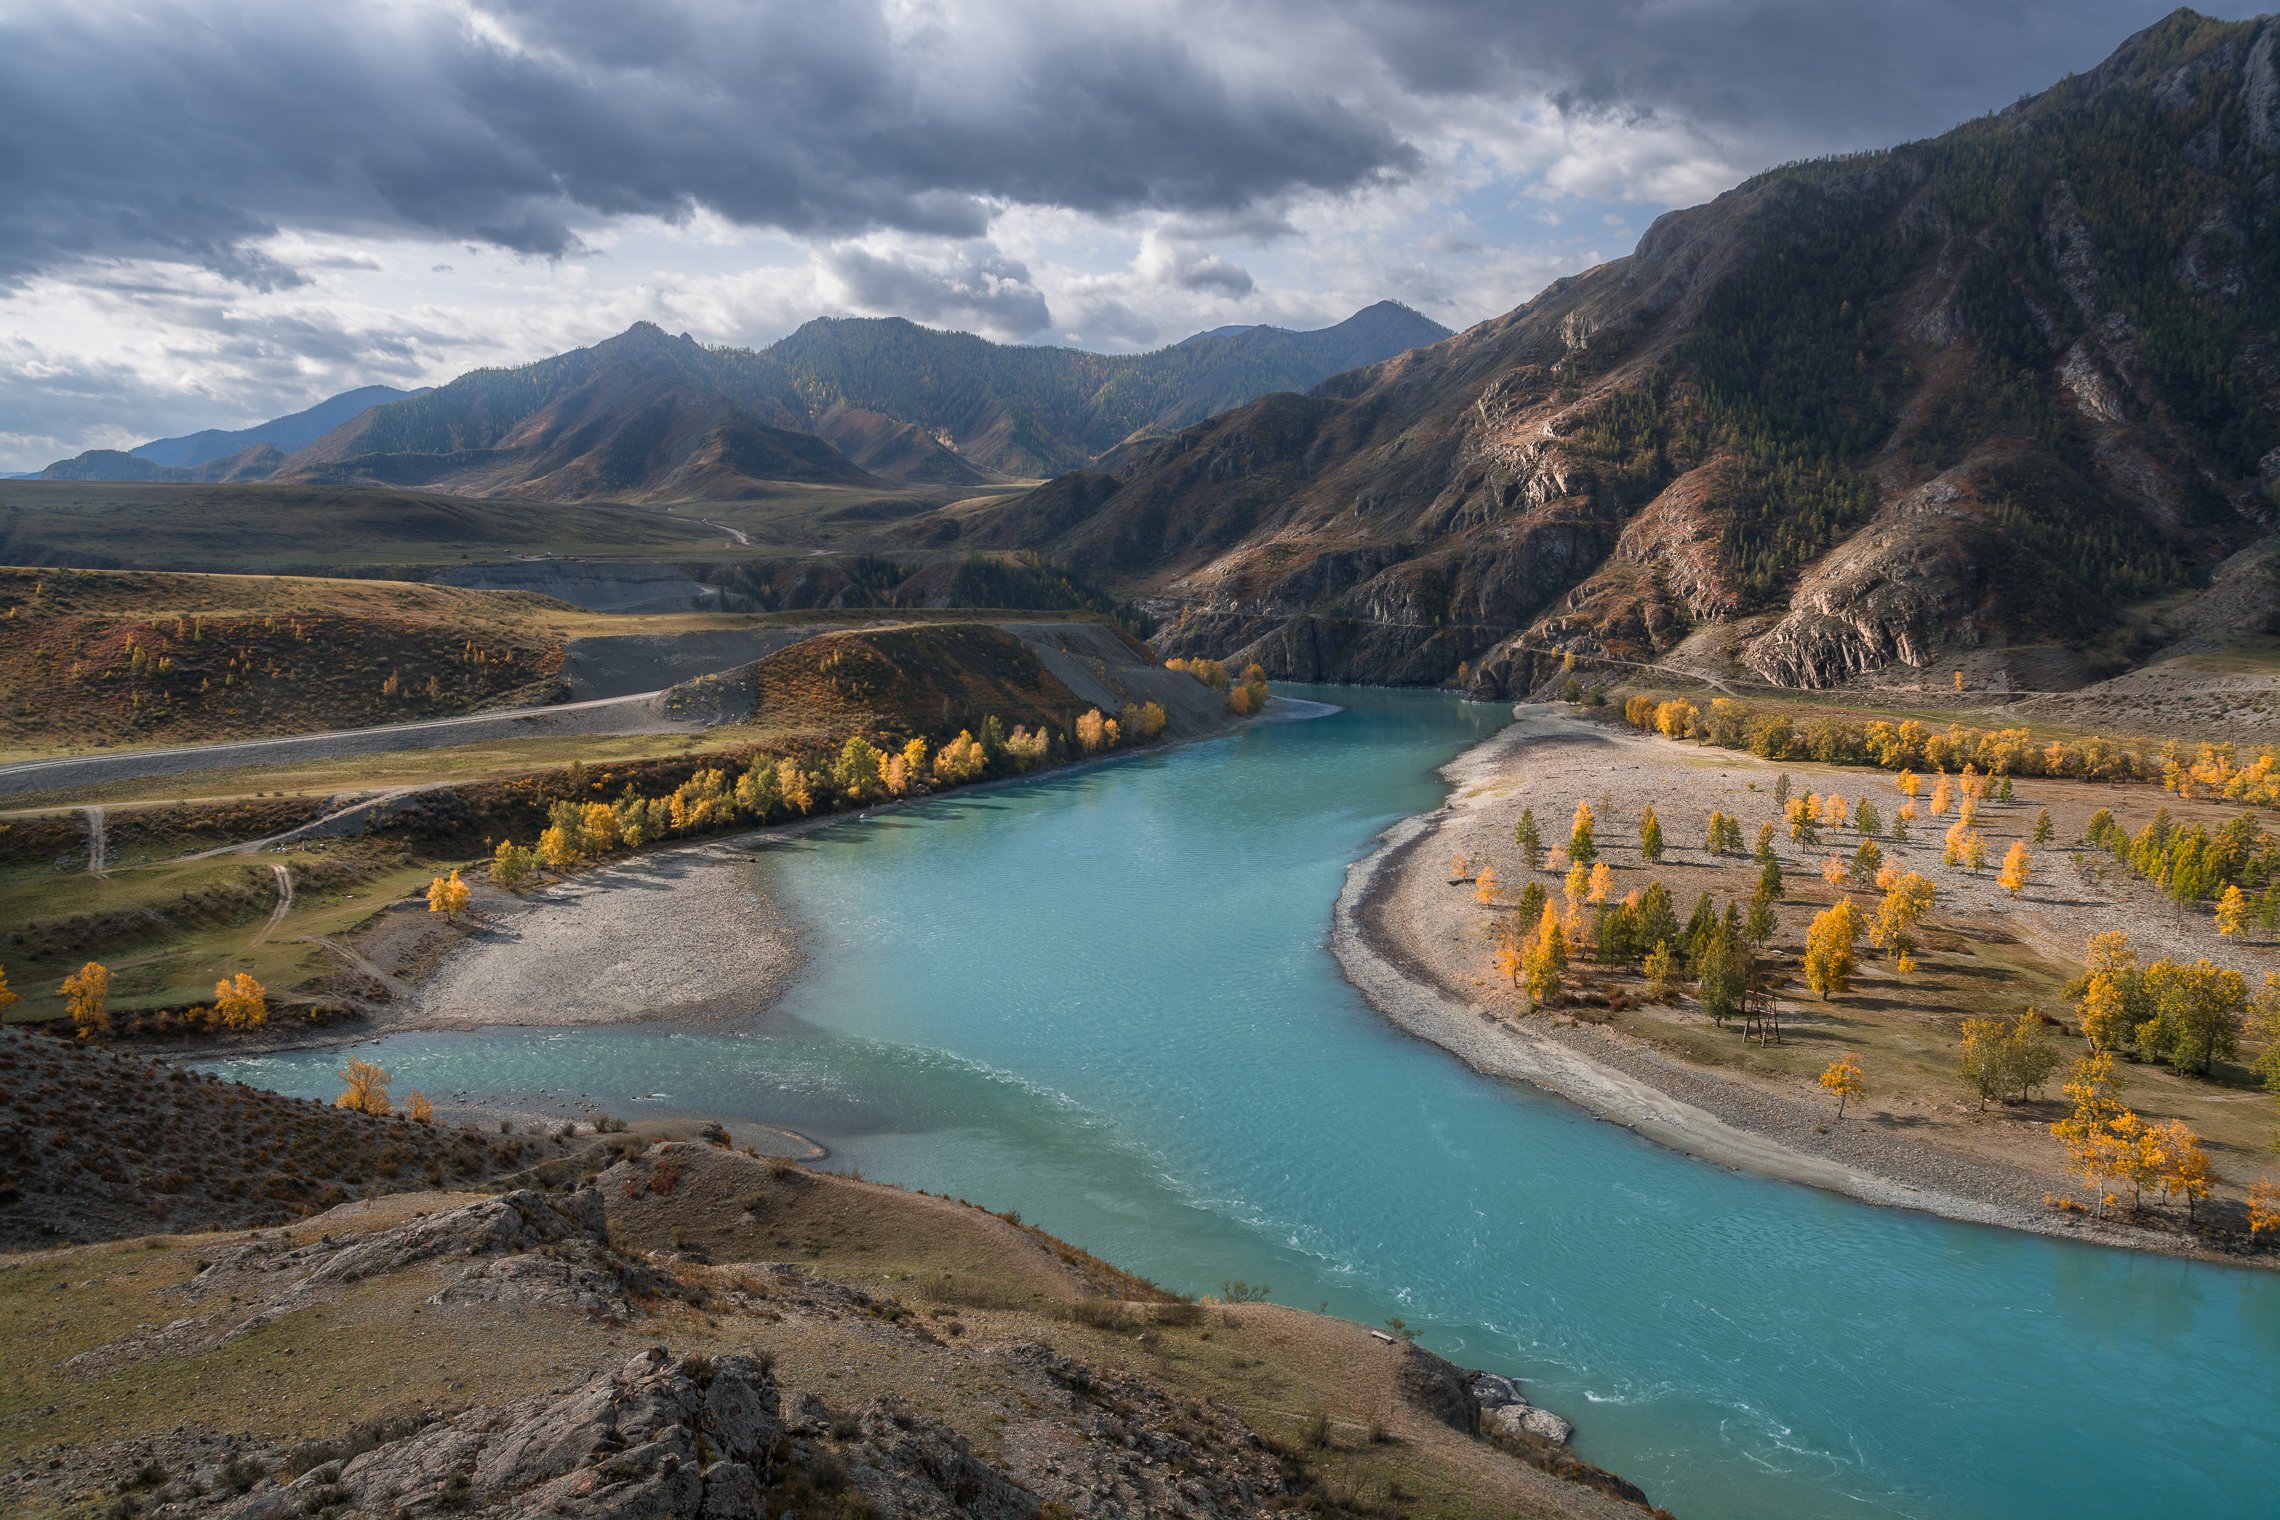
(1105, 999)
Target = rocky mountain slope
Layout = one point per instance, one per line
(850, 402)
(1018, 411)
(1979, 392)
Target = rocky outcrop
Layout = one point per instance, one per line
(694, 1439)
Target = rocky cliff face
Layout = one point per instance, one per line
(1984, 389)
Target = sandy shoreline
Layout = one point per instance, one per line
(1383, 949)
(681, 932)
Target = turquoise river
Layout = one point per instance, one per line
(1106, 999)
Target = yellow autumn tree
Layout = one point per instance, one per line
(1484, 886)
(1833, 870)
(2184, 1171)
(1092, 731)
(364, 1088)
(1845, 1080)
(1907, 899)
(2093, 1131)
(448, 895)
(2105, 1011)
(793, 786)
(417, 1108)
(1942, 797)
(8, 999)
(1602, 882)
(86, 997)
(2263, 1207)
(1460, 868)
(1546, 959)
(557, 848)
(1144, 721)
(1511, 952)
(1829, 949)
(240, 1002)
(2018, 868)
(2232, 911)
(961, 760)
(1909, 784)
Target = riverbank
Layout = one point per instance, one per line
(683, 932)
(1417, 947)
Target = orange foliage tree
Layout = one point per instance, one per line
(1845, 1079)
(448, 895)
(87, 998)
(240, 1002)
(365, 1088)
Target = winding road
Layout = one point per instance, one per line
(603, 715)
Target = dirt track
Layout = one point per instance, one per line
(611, 715)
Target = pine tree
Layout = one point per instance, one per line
(1650, 835)
(1530, 839)
(2043, 830)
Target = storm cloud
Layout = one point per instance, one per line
(191, 132)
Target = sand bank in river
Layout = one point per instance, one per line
(1417, 949)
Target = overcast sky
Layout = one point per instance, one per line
(215, 213)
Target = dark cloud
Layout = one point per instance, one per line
(1801, 76)
(1210, 272)
(982, 289)
(189, 132)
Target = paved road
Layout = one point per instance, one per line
(606, 715)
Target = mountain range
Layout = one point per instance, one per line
(1980, 392)
(843, 401)
(216, 454)
(1994, 395)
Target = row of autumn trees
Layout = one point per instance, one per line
(1908, 745)
(1245, 696)
(773, 788)
(240, 1002)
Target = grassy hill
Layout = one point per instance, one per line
(311, 528)
(125, 657)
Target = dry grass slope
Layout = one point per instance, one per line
(97, 1144)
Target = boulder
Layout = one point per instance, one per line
(1514, 1420)
(1493, 1390)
